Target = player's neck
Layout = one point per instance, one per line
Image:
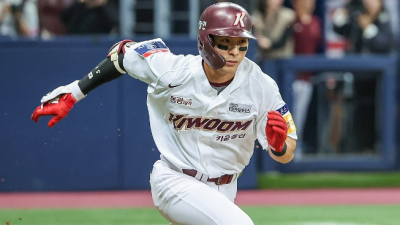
(217, 75)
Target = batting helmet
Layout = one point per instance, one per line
(221, 19)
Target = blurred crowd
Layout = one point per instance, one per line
(46, 18)
(285, 30)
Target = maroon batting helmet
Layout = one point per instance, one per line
(221, 19)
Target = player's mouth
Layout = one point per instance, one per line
(231, 62)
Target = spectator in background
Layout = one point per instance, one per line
(91, 17)
(273, 27)
(18, 18)
(307, 37)
(49, 17)
(307, 31)
(367, 28)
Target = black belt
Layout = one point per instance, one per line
(224, 179)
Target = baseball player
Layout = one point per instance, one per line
(205, 113)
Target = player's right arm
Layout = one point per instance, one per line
(61, 100)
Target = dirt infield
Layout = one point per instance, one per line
(126, 199)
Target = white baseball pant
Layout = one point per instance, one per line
(184, 200)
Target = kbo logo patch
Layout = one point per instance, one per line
(148, 48)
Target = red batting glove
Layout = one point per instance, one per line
(59, 110)
(276, 131)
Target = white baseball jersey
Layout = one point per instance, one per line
(193, 126)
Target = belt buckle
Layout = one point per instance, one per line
(218, 182)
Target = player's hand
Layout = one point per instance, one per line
(276, 131)
(59, 109)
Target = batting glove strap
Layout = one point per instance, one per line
(72, 88)
(281, 153)
(76, 91)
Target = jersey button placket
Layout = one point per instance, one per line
(203, 145)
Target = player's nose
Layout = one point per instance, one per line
(234, 50)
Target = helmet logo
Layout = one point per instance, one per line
(239, 19)
(202, 25)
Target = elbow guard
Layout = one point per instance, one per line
(109, 69)
(115, 54)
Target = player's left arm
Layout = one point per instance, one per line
(281, 147)
(60, 101)
(288, 156)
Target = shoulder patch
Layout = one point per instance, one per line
(283, 110)
(149, 48)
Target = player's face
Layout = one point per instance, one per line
(233, 49)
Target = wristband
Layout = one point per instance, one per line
(76, 91)
(281, 153)
(72, 88)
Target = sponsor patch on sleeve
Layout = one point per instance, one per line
(149, 48)
(284, 111)
(289, 121)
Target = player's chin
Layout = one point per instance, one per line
(225, 70)
(230, 68)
